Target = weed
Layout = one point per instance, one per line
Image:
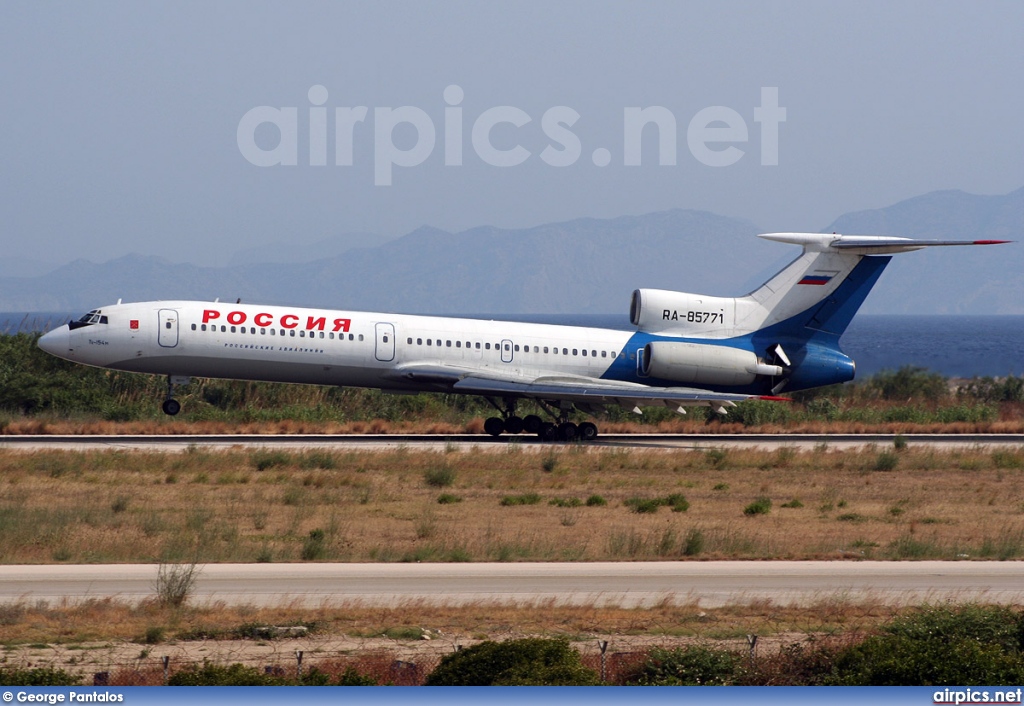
(694, 543)
(439, 476)
(313, 546)
(793, 504)
(565, 502)
(264, 459)
(550, 463)
(448, 499)
(721, 487)
(596, 501)
(524, 499)
(886, 461)
(761, 506)
(174, 583)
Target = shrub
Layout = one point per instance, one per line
(677, 502)
(761, 506)
(225, 675)
(643, 506)
(940, 645)
(448, 499)
(687, 666)
(596, 501)
(528, 662)
(565, 502)
(439, 477)
(550, 463)
(525, 499)
(793, 504)
(38, 676)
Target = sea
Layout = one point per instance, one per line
(954, 346)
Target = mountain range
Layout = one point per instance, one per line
(586, 266)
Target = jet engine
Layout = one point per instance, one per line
(704, 364)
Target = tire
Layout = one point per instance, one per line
(548, 432)
(568, 432)
(171, 407)
(514, 425)
(532, 424)
(494, 426)
(588, 431)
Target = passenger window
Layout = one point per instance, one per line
(419, 341)
(458, 344)
(331, 336)
(487, 346)
(478, 345)
(593, 354)
(574, 352)
(584, 352)
(193, 327)
(565, 351)
(516, 346)
(321, 334)
(292, 333)
(302, 334)
(409, 341)
(430, 342)
(448, 344)
(204, 327)
(232, 328)
(545, 349)
(604, 354)
(360, 337)
(263, 332)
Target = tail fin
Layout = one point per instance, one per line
(823, 288)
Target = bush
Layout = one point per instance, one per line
(596, 501)
(448, 499)
(225, 675)
(907, 383)
(886, 461)
(694, 543)
(525, 499)
(687, 666)
(761, 506)
(38, 676)
(940, 646)
(531, 661)
(440, 477)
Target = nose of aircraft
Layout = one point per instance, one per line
(56, 342)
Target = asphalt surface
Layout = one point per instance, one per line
(627, 584)
(172, 443)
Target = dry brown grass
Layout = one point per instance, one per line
(1011, 421)
(116, 506)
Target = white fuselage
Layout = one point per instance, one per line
(328, 347)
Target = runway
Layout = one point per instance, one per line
(625, 584)
(481, 442)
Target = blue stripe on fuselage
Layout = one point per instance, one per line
(810, 339)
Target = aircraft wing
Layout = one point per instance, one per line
(580, 390)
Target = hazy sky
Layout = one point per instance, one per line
(124, 123)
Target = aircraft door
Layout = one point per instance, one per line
(385, 348)
(506, 351)
(167, 335)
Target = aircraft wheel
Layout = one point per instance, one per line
(532, 424)
(171, 407)
(514, 425)
(568, 431)
(494, 426)
(548, 432)
(588, 431)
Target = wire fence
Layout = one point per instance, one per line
(410, 665)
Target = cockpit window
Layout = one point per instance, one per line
(93, 317)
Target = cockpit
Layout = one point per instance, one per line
(93, 317)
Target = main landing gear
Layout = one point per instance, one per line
(171, 406)
(561, 430)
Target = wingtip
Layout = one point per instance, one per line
(991, 242)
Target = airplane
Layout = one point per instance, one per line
(687, 349)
